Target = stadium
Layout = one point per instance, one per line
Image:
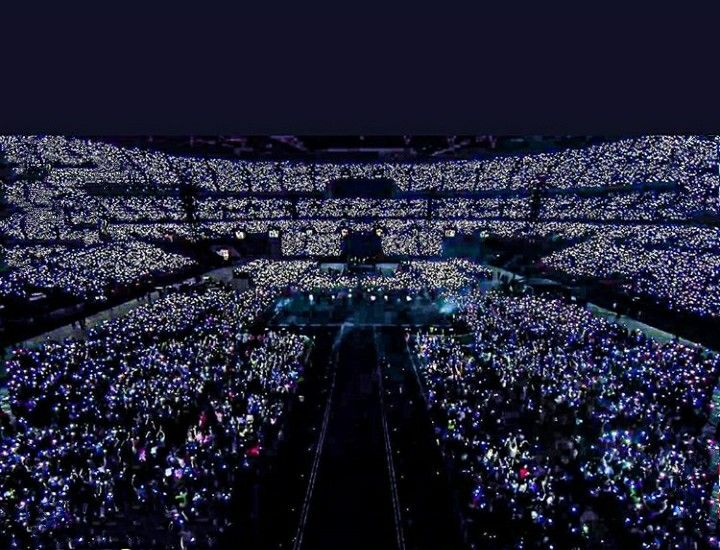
(406, 342)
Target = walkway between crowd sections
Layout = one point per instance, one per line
(429, 508)
(351, 504)
(390, 459)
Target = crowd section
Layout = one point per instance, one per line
(141, 434)
(412, 276)
(680, 271)
(678, 267)
(644, 206)
(418, 275)
(361, 208)
(85, 273)
(561, 429)
(78, 219)
(307, 238)
(566, 430)
(605, 200)
(689, 161)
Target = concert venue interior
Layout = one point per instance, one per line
(407, 342)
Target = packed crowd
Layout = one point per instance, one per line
(141, 434)
(678, 268)
(562, 428)
(86, 273)
(649, 159)
(567, 430)
(413, 276)
(71, 193)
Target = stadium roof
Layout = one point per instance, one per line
(343, 148)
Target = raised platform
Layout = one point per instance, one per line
(369, 268)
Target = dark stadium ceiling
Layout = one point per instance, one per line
(352, 147)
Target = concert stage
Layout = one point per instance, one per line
(365, 308)
(360, 267)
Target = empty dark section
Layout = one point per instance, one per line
(429, 508)
(352, 504)
(252, 244)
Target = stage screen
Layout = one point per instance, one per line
(362, 245)
(372, 188)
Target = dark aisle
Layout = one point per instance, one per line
(430, 517)
(285, 476)
(351, 505)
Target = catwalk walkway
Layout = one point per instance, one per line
(377, 479)
(351, 505)
(430, 509)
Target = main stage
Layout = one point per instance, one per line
(400, 308)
